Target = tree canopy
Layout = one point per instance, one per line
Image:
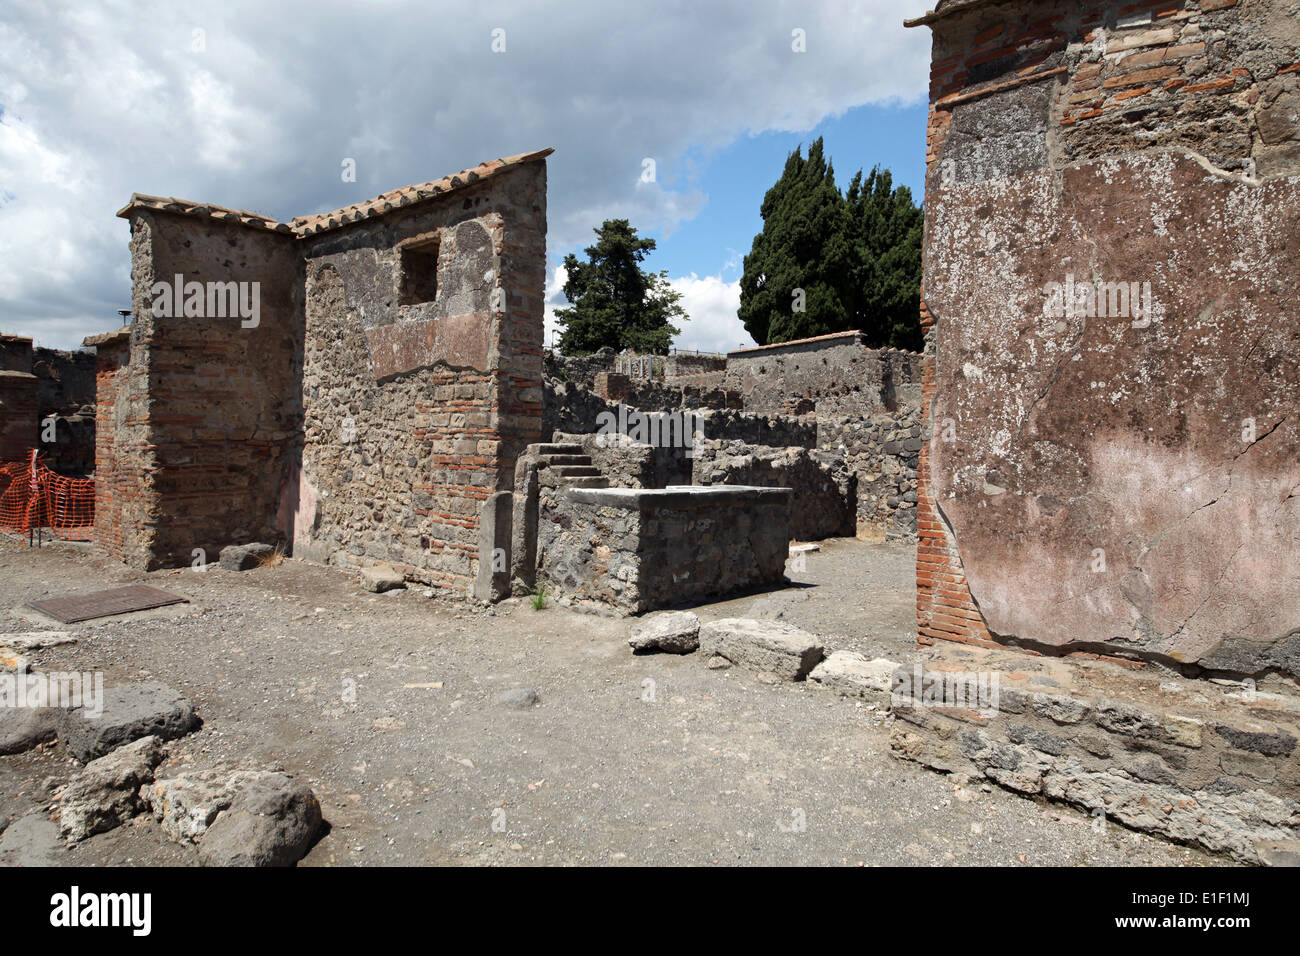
(829, 262)
(613, 301)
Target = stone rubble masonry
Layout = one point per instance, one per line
(393, 379)
(637, 550)
(1200, 762)
(1087, 484)
(36, 383)
(831, 394)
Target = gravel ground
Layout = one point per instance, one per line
(387, 706)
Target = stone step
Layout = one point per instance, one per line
(575, 471)
(595, 481)
(554, 460)
(550, 448)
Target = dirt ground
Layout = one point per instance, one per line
(387, 706)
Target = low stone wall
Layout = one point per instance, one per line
(881, 452)
(1201, 762)
(823, 502)
(637, 550)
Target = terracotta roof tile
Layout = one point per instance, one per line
(302, 226)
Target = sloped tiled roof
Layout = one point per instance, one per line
(303, 226)
(943, 9)
(310, 225)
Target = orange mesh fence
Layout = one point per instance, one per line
(32, 497)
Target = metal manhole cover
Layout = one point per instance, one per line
(84, 607)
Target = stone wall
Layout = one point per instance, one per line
(47, 384)
(1203, 763)
(415, 413)
(881, 452)
(636, 550)
(833, 375)
(823, 501)
(1115, 472)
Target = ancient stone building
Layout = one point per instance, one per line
(352, 385)
(1112, 378)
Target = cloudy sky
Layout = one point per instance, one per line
(256, 105)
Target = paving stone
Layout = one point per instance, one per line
(22, 728)
(770, 646)
(31, 841)
(677, 632)
(853, 675)
(129, 712)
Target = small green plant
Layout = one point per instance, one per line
(538, 598)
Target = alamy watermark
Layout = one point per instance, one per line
(658, 429)
(55, 689)
(963, 690)
(213, 300)
(1123, 300)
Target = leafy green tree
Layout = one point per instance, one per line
(794, 277)
(887, 229)
(827, 262)
(613, 301)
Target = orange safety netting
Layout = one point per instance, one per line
(34, 498)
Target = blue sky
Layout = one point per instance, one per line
(254, 105)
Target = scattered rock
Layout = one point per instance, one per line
(521, 698)
(677, 632)
(32, 841)
(853, 675)
(241, 557)
(187, 804)
(718, 663)
(12, 662)
(381, 578)
(34, 640)
(388, 723)
(107, 791)
(771, 646)
(271, 821)
(130, 711)
(22, 728)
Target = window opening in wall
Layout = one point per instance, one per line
(418, 281)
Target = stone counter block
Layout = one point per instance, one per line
(639, 549)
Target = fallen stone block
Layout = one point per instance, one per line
(107, 791)
(128, 712)
(186, 805)
(677, 632)
(22, 728)
(271, 821)
(853, 675)
(241, 557)
(770, 646)
(381, 578)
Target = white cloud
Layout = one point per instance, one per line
(711, 303)
(114, 100)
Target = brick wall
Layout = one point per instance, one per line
(18, 415)
(115, 480)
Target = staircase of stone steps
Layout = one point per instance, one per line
(570, 467)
